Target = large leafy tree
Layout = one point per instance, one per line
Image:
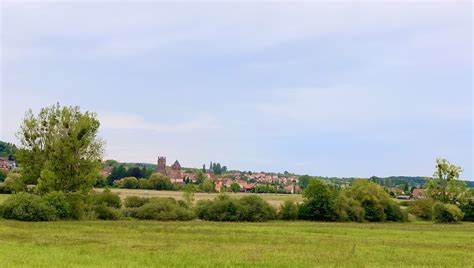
(319, 201)
(445, 185)
(60, 150)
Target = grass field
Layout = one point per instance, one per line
(210, 244)
(274, 199)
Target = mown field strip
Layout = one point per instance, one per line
(203, 244)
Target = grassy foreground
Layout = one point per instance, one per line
(204, 244)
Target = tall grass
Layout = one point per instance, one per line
(204, 244)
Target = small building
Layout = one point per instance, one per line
(292, 189)
(6, 165)
(418, 193)
(245, 186)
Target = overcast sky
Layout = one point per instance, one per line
(324, 89)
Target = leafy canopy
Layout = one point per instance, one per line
(60, 150)
(445, 185)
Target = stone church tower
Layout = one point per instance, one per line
(161, 165)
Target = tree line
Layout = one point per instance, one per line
(60, 155)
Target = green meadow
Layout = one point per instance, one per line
(136, 243)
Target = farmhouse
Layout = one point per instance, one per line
(6, 165)
(418, 193)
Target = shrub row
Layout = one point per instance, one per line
(59, 205)
(321, 203)
(223, 208)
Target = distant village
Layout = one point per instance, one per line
(256, 182)
(247, 181)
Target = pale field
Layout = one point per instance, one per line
(274, 199)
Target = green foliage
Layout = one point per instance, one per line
(15, 182)
(394, 213)
(403, 182)
(144, 184)
(304, 180)
(118, 172)
(255, 209)
(129, 183)
(377, 204)
(445, 185)
(3, 175)
(100, 182)
(27, 207)
(265, 189)
(217, 169)
(422, 208)
(235, 187)
(135, 172)
(59, 149)
(468, 210)
(77, 205)
(319, 202)
(107, 198)
(104, 212)
(135, 201)
(348, 209)
(200, 177)
(224, 208)
(447, 213)
(160, 182)
(188, 194)
(163, 209)
(288, 211)
(59, 201)
(208, 186)
(7, 150)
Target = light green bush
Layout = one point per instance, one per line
(447, 213)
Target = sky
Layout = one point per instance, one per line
(331, 89)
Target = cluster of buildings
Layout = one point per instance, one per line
(6, 165)
(246, 182)
(416, 193)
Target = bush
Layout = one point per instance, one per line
(394, 213)
(4, 189)
(27, 207)
(59, 202)
(255, 209)
(164, 209)
(77, 205)
(3, 175)
(447, 213)
(104, 212)
(14, 182)
(319, 203)
(108, 199)
(224, 208)
(129, 183)
(422, 208)
(468, 210)
(377, 204)
(374, 210)
(160, 182)
(135, 201)
(288, 211)
(348, 209)
(144, 184)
